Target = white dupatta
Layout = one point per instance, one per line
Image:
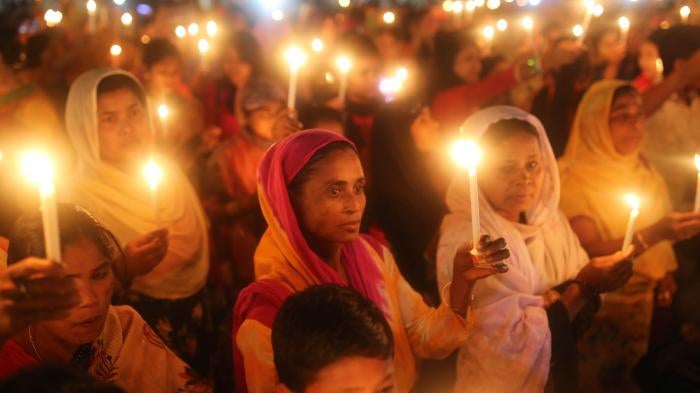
(510, 347)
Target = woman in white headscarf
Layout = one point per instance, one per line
(109, 125)
(527, 319)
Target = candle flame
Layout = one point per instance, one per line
(193, 29)
(684, 11)
(489, 32)
(389, 17)
(212, 28)
(633, 201)
(528, 23)
(344, 64)
(697, 162)
(317, 45)
(402, 73)
(624, 23)
(295, 57)
(91, 6)
(115, 50)
(577, 31)
(180, 31)
(466, 154)
(163, 111)
(127, 19)
(502, 25)
(37, 167)
(203, 45)
(153, 174)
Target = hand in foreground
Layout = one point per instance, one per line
(34, 290)
(143, 254)
(608, 273)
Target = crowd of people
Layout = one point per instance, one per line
(311, 233)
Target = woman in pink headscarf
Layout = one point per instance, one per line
(311, 191)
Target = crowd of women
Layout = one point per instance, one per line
(238, 279)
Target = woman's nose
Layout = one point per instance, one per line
(88, 296)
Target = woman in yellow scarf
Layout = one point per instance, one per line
(602, 163)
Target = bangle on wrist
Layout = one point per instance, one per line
(586, 287)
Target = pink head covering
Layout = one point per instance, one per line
(279, 166)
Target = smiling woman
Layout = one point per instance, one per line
(111, 343)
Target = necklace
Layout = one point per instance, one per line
(33, 343)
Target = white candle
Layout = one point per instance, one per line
(163, 113)
(203, 47)
(344, 65)
(624, 24)
(589, 5)
(38, 169)
(153, 175)
(696, 209)
(295, 58)
(685, 13)
(91, 7)
(116, 51)
(467, 155)
(633, 201)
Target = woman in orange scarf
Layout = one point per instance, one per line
(310, 187)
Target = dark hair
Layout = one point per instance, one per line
(55, 378)
(75, 225)
(321, 325)
(120, 81)
(248, 48)
(158, 50)
(447, 46)
(10, 47)
(677, 42)
(311, 116)
(35, 48)
(358, 45)
(307, 171)
(503, 129)
(624, 90)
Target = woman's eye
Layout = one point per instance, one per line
(533, 165)
(360, 188)
(334, 192)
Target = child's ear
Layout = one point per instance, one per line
(282, 388)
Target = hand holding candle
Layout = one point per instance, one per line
(295, 58)
(153, 175)
(633, 202)
(38, 169)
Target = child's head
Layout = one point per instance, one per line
(163, 64)
(322, 117)
(331, 339)
(262, 102)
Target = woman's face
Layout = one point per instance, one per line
(648, 59)
(122, 125)
(363, 79)
(237, 71)
(627, 123)
(355, 374)
(262, 120)
(610, 49)
(331, 202)
(467, 64)
(92, 272)
(164, 76)
(511, 179)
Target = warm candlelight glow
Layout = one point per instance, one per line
(489, 32)
(457, 7)
(127, 19)
(203, 45)
(53, 18)
(389, 17)
(37, 167)
(493, 4)
(598, 10)
(193, 29)
(163, 111)
(119, 2)
(577, 31)
(344, 3)
(697, 162)
(277, 15)
(447, 5)
(684, 12)
(115, 50)
(502, 25)
(470, 6)
(402, 73)
(153, 175)
(624, 23)
(344, 64)
(317, 45)
(466, 154)
(528, 23)
(295, 58)
(180, 31)
(633, 201)
(91, 6)
(212, 28)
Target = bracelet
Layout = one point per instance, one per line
(642, 241)
(586, 287)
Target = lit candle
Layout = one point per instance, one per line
(38, 169)
(154, 175)
(91, 7)
(467, 156)
(633, 201)
(115, 50)
(163, 113)
(212, 28)
(344, 64)
(193, 29)
(389, 17)
(295, 58)
(589, 5)
(317, 45)
(685, 13)
(180, 31)
(697, 187)
(203, 47)
(624, 24)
